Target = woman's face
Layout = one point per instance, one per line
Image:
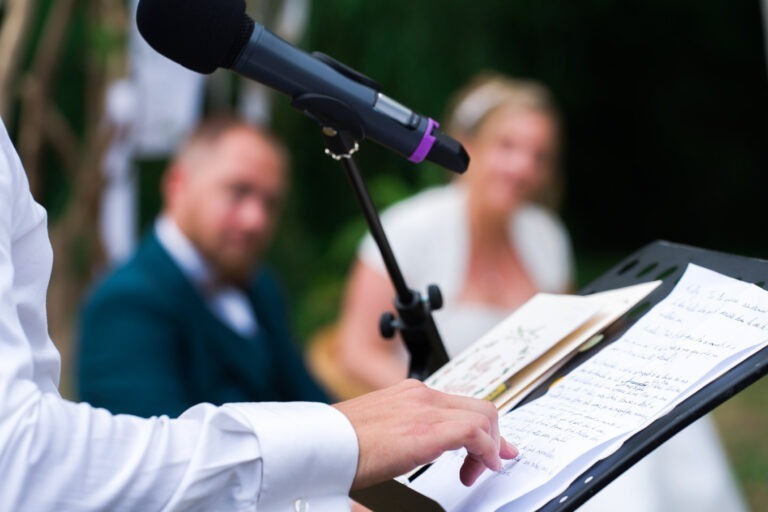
(512, 158)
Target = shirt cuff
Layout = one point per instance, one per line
(309, 455)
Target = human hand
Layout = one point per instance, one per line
(407, 425)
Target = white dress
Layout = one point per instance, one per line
(429, 235)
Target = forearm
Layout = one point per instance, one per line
(226, 458)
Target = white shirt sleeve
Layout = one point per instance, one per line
(60, 456)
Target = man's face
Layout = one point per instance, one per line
(227, 198)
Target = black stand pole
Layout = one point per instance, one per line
(415, 323)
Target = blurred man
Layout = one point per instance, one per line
(193, 316)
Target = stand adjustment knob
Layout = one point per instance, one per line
(387, 325)
(435, 297)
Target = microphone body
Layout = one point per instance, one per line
(219, 34)
(333, 98)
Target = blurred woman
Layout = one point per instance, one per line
(490, 239)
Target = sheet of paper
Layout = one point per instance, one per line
(708, 324)
(513, 344)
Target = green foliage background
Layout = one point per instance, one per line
(664, 107)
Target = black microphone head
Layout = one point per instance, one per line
(201, 35)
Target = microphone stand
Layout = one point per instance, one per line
(414, 321)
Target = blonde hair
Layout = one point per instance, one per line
(488, 92)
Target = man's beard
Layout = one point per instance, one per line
(235, 270)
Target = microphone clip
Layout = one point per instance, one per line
(347, 71)
(329, 112)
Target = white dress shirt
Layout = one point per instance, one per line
(56, 455)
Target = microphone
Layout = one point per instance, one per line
(203, 35)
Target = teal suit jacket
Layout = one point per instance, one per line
(149, 344)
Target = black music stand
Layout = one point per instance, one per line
(658, 260)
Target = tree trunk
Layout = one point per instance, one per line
(74, 233)
(14, 35)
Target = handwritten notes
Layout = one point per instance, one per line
(534, 339)
(707, 324)
(513, 344)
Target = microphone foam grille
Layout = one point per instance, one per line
(201, 35)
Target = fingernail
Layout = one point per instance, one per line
(508, 450)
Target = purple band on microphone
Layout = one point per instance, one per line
(425, 146)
